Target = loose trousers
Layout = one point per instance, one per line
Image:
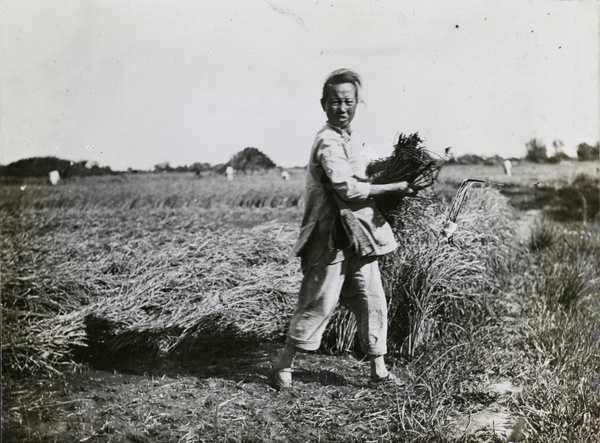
(356, 283)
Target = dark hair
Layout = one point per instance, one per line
(338, 77)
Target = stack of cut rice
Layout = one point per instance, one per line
(410, 162)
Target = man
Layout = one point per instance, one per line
(334, 271)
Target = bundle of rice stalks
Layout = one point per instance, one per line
(410, 162)
(565, 264)
(431, 286)
(340, 336)
(150, 282)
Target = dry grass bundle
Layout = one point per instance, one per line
(340, 335)
(543, 235)
(568, 264)
(43, 291)
(161, 324)
(410, 162)
(432, 287)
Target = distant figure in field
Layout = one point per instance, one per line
(54, 177)
(507, 167)
(285, 175)
(230, 173)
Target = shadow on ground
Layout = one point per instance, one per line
(248, 362)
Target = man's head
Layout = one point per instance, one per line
(340, 97)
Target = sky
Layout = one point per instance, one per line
(137, 83)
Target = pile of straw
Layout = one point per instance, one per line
(431, 286)
(153, 283)
(41, 343)
(165, 325)
(239, 288)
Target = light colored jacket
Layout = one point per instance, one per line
(335, 161)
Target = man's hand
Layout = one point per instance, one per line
(404, 188)
(398, 188)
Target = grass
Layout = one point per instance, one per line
(551, 344)
(524, 174)
(543, 235)
(160, 291)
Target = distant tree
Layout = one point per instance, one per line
(495, 160)
(470, 159)
(557, 158)
(251, 160)
(559, 147)
(96, 169)
(220, 168)
(36, 167)
(588, 152)
(536, 151)
(163, 167)
(559, 152)
(200, 167)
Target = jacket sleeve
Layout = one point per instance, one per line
(332, 157)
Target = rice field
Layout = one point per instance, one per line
(150, 307)
(155, 191)
(524, 174)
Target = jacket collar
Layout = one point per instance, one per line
(345, 133)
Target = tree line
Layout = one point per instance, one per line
(537, 152)
(251, 160)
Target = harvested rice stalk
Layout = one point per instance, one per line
(410, 162)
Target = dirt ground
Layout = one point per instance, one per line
(222, 398)
(211, 399)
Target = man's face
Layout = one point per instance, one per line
(341, 104)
